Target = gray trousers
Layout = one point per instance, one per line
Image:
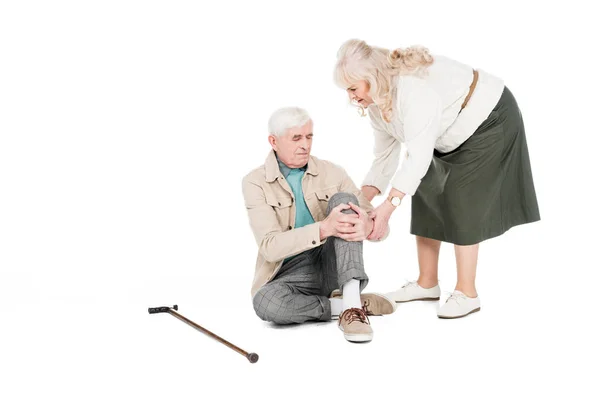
(300, 290)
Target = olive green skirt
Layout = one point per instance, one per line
(482, 188)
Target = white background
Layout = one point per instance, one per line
(125, 130)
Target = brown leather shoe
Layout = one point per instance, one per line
(373, 303)
(355, 325)
(377, 304)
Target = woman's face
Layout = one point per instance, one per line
(359, 93)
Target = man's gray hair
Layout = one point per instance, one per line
(287, 118)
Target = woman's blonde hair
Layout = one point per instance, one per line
(356, 61)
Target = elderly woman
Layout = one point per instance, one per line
(466, 167)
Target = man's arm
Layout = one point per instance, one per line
(274, 243)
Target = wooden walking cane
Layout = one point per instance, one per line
(252, 357)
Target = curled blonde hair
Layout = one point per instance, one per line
(356, 61)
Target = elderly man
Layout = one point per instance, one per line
(309, 221)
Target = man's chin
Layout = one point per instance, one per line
(301, 160)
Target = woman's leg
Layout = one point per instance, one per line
(428, 252)
(459, 305)
(466, 266)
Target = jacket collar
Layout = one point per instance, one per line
(272, 167)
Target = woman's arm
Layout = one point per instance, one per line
(370, 192)
(420, 106)
(385, 164)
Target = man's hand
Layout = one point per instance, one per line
(362, 227)
(338, 223)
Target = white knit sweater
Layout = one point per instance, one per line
(426, 117)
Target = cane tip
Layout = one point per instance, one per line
(252, 357)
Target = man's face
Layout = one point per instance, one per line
(293, 148)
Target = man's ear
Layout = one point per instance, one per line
(273, 142)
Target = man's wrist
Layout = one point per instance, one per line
(324, 230)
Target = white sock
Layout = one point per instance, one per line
(351, 295)
(336, 307)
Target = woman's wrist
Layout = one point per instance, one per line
(370, 192)
(395, 198)
(396, 193)
(388, 207)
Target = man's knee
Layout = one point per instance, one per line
(341, 198)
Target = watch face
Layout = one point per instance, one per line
(395, 201)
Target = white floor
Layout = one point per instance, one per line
(532, 338)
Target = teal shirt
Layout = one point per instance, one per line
(294, 178)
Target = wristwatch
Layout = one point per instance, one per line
(394, 200)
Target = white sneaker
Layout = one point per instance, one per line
(411, 291)
(459, 305)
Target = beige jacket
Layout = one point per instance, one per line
(272, 211)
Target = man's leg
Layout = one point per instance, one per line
(294, 295)
(342, 261)
(342, 267)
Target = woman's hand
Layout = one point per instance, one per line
(381, 216)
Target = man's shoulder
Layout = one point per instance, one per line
(329, 167)
(256, 176)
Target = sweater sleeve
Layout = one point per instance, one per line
(387, 157)
(420, 107)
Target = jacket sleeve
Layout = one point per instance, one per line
(387, 157)
(273, 242)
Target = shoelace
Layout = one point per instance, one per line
(409, 283)
(355, 314)
(456, 296)
(365, 307)
(414, 283)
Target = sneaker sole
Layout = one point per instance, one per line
(358, 338)
(460, 316)
(421, 299)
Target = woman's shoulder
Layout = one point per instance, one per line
(413, 86)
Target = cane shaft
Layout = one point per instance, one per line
(207, 332)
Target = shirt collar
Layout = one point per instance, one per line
(272, 169)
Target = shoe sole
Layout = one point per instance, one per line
(358, 338)
(421, 299)
(460, 316)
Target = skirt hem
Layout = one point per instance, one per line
(466, 241)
